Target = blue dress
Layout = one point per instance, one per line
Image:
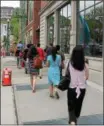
(54, 70)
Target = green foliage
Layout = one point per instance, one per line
(14, 24)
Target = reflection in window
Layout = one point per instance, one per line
(89, 3)
(65, 11)
(97, 1)
(69, 10)
(91, 30)
(81, 5)
(64, 30)
(50, 25)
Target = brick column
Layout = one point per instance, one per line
(36, 20)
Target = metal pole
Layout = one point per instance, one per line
(8, 43)
(7, 37)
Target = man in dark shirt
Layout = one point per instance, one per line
(62, 58)
(49, 49)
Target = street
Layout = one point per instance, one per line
(21, 106)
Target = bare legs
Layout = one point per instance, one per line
(53, 91)
(33, 82)
(40, 74)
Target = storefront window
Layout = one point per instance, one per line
(64, 28)
(97, 1)
(89, 3)
(91, 28)
(81, 5)
(50, 28)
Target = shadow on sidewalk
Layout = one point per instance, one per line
(84, 120)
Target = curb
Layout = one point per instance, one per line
(15, 106)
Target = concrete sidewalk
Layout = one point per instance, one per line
(7, 106)
(7, 98)
(38, 108)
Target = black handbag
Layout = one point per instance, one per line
(65, 81)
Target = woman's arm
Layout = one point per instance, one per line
(47, 64)
(86, 71)
(48, 61)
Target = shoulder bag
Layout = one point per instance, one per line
(65, 81)
(37, 62)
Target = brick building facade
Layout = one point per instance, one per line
(31, 31)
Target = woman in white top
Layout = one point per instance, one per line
(79, 74)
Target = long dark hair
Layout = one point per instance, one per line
(77, 58)
(54, 53)
(32, 52)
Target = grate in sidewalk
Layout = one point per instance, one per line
(28, 87)
(84, 120)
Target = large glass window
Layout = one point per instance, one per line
(64, 28)
(50, 29)
(91, 27)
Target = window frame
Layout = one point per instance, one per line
(48, 29)
(84, 10)
(59, 41)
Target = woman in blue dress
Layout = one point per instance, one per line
(54, 62)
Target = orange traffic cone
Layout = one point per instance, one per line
(6, 77)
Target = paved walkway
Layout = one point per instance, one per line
(38, 108)
(7, 99)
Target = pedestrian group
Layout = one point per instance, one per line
(34, 58)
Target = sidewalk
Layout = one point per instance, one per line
(39, 108)
(7, 99)
(7, 106)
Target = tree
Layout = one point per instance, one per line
(14, 24)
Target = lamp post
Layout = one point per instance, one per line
(8, 42)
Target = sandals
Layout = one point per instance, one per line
(51, 96)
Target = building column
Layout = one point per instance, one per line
(102, 72)
(56, 28)
(45, 42)
(73, 25)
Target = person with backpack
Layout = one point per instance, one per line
(79, 73)
(20, 46)
(62, 59)
(42, 57)
(34, 72)
(54, 62)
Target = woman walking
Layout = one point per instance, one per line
(79, 74)
(25, 57)
(33, 71)
(54, 62)
(42, 57)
